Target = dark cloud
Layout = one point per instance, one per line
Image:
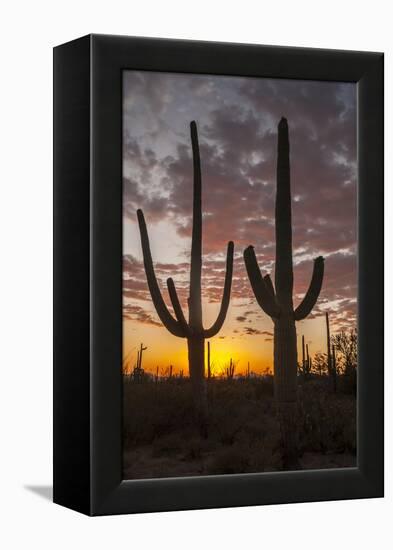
(252, 331)
(137, 313)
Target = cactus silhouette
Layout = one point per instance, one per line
(192, 330)
(138, 372)
(230, 370)
(303, 358)
(278, 302)
(331, 360)
(308, 362)
(334, 363)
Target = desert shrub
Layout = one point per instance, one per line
(167, 445)
(152, 411)
(246, 456)
(263, 387)
(328, 422)
(226, 420)
(228, 461)
(265, 456)
(234, 408)
(349, 436)
(347, 383)
(196, 447)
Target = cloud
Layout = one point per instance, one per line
(252, 331)
(137, 313)
(237, 122)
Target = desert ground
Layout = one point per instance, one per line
(160, 438)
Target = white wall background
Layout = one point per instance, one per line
(28, 32)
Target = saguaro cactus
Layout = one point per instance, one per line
(278, 302)
(230, 370)
(334, 363)
(331, 361)
(192, 330)
(308, 362)
(138, 372)
(303, 357)
(140, 354)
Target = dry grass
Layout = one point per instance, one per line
(160, 439)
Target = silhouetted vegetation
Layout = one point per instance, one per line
(302, 417)
(161, 439)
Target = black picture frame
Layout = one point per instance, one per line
(88, 275)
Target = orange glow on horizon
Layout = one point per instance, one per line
(164, 350)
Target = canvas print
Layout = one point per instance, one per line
(239, 275)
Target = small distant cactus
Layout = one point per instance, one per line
(303, 357)
(331, 364)
(230, 370)
(334, 363)
(308, 362)
(138, 372)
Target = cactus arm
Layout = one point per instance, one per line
(269, 284)
(214, 329)
(177, 307)
(309, 300)
(261, 291)
(173, 326)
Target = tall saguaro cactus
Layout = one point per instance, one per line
(192, 330)
(278, 302)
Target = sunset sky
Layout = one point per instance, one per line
(237, 124)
